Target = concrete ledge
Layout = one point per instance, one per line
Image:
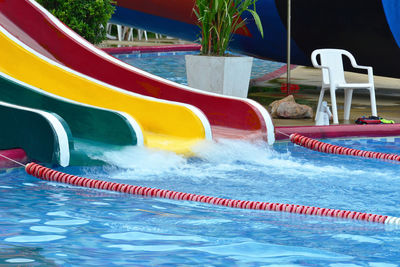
(152, 48)
(16, 154)
(338, 131)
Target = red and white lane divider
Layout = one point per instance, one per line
(52, 175)
(333, 149)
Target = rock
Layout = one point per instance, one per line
(289, 109)
(274, 105)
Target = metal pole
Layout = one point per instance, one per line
(288, 46)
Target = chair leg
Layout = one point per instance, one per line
(348, 95)
(321, 97)
(119, 30)
(373, 101)
(334, 106)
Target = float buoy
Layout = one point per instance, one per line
(56, 176)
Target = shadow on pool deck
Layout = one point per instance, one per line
(309, 79)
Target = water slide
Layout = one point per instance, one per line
(229, 116)
(359, 26)
(44, 136)
(93, 124)
(165, 125)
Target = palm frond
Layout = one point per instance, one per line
(219, 20)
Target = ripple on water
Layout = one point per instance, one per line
(130, 236)
(48, 229)
(358, 238)
(29, 221)
(58, 213)
(382, 264)
(100, 203)
(249, 251)
(208, 221)
(66, 222)
(34, 238)
(29, 184)
(153, 248)
(19, 260)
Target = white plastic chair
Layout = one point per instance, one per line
(333, 78)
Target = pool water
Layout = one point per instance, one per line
(46, 223)
(171, 65)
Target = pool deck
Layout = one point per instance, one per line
(309, 79)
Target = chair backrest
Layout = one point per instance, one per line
(331, 58)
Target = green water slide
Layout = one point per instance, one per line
(44, 136)
(86, 122)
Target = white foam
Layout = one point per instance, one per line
(143, 160)
(219, 160)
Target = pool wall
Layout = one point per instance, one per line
(338, 131)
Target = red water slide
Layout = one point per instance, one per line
(33, 25)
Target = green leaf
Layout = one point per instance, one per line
(218, 20)
(86, 17)
(257, 21)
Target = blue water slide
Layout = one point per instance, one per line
(392, 12)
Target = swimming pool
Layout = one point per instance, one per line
(45, 223)
(171, 65)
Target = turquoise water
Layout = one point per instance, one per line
(45, 223)
(171, 65)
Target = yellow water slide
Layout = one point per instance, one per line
(166, 125)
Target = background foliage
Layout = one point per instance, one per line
(86, 17)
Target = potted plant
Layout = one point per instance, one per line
(213, 70)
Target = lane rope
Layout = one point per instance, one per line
(56, 176)
(319, 146)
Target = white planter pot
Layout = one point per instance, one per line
(222, 75)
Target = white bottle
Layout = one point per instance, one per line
(324, 114)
